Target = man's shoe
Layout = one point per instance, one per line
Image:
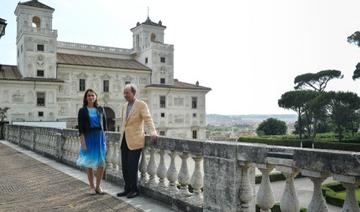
(132, 194)
(122, 194)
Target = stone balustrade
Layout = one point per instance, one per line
(191, 175)
(93, 48)
(44, 31)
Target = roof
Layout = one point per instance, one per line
(148, 21)
(180, 85)
(82, 60)
(11, 72)
(35, 3)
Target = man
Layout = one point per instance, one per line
(135, 114)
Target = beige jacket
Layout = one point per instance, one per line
(133, 125)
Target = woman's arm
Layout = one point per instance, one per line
(104, 119)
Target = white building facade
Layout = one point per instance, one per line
(50, 78)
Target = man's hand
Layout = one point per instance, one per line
(153, 139)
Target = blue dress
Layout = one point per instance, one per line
(95, 154)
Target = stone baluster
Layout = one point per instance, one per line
(77, 147)
(109, 156)
(350, 204)
(245, 190)
(115, 158)
(53, 144)
(151, 169)
(317, 203)
(68, 148)
(265, 197)
(197, 181)
(74, 147)
(142, 167)
(289, 201)
(350, 183)
(172, 174)
(183, 176)
(161, 171)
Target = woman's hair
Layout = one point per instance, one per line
(85, 103)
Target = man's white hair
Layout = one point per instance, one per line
(132, 87)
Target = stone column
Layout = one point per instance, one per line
(172, 174)
(265, 197)
(318, 203)
(289, 201)
(350, 183)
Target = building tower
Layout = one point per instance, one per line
(35, 40)
(150, 50)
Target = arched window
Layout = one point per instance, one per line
(153, 37)
(36, 22)
(137, 41)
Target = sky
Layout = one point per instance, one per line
(247, 51)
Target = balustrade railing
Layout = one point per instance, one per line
(192, 175)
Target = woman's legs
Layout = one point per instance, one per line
(90, 175)
(99, 176)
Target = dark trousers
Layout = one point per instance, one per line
(130, 165)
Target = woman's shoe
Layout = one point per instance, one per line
(92, 191)
(99, 191)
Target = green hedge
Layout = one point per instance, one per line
(286, 141)
(276, 208)
(274, 177)
(334, 194)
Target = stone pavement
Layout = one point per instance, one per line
(29, 185)
(29, 182)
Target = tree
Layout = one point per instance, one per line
(272, 126)
(354, 38)
(356, 73)
(343, 107)
(3, 112)
(317, 81)
(296, 101)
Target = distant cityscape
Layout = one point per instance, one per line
(231, 127)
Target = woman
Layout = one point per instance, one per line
(92, 124)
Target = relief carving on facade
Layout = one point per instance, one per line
(6, 96)
(179, 101)
(18, 97)
(30, 97)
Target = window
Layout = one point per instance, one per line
(162, 101)
(40, 47)
(194, 134)
(40, 98)
(127, 82)
(162, 115)
(162, 59)
(36, 22)
(162, 133)
(153, 37)
(194, 115)
(162, 81)
(82, 84)
(146, 60)
(40, 73)
(41, 114)
(194, 102)
(106, 85)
